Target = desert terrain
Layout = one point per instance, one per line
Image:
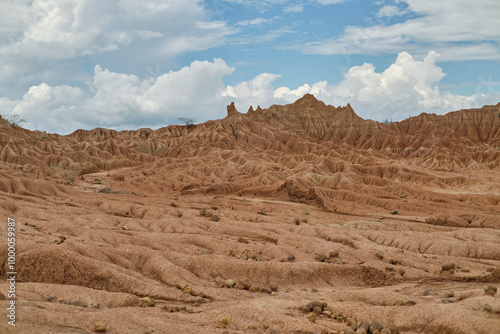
(236, 225)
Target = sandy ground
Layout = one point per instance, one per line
(280, 207)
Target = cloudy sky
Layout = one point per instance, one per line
(127, 64)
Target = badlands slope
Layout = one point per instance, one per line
(105, 218)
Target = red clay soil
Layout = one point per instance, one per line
(105, 218)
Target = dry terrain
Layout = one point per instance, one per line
(231, 226)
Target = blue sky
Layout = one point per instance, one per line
(124, 64)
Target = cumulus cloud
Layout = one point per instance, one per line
(37, 36)
(124, 101)
(64, 29)
(456, 29)
(257, 91)
(407, 87)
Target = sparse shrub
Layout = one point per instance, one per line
(334, 253)
(108, 190)
(14, 119)
(448, 266)
(173, 204)
(297, 221)
(189, 122)
(395, 212)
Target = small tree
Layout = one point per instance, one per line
(14, 119)
(189, 122)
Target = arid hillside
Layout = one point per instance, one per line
(231, 226)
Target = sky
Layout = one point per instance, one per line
(128, 64)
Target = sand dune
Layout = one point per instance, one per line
(370, 212)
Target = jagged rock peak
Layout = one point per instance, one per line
(231, 109)
(308, 98)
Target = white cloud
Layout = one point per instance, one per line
(38, 36)
(330, 2)
(391, 11)
(265, 5)
(51, 107)
(267, 37)
(457, 29)
(123, 101)
(258, 3)
(408, 86)
(254, 22)
(294, 9)
(258, 91)
(319, 89)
